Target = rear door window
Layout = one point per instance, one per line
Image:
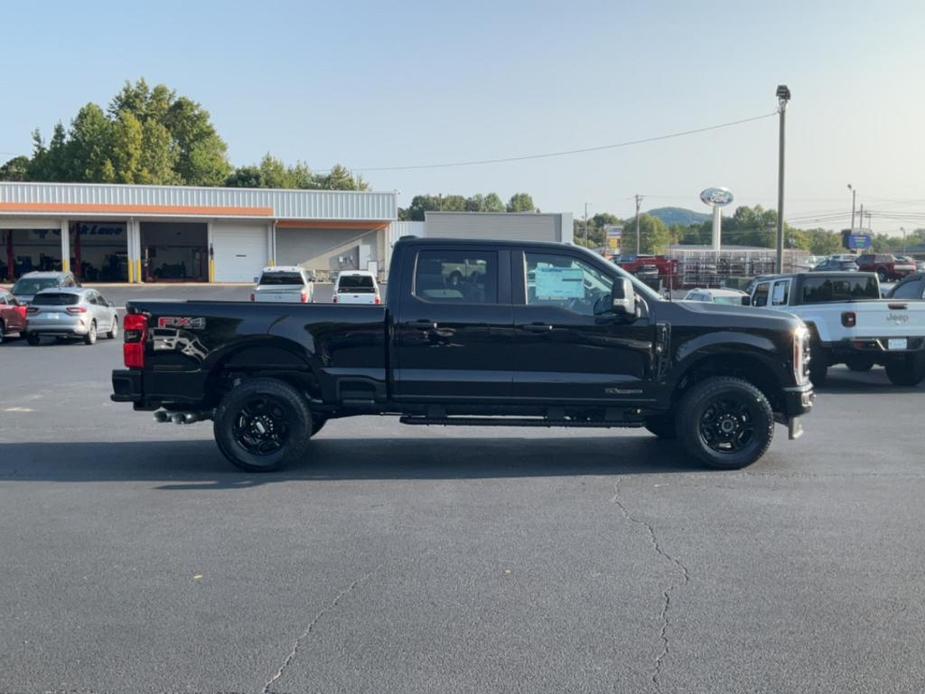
(280, 278)
(355, 284)
(459, 277)
(910, 290)
(821, 290)
(55, 299)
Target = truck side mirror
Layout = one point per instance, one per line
(746, 300)
(623, 298)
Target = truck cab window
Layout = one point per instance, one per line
(566, 282)
(760, 297)
(458, 277)
(781, 294)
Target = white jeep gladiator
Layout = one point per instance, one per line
(849, 323)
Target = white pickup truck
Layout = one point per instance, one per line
(849, 322)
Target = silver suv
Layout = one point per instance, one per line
(71, 312)
(32, 283)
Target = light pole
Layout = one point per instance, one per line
(783, 96)
(854, 194)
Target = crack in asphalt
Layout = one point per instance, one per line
(667, 593)
(311, 625)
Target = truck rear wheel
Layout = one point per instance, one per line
(726, 423)
(263, 425)
(906, 371)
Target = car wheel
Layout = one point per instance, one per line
(860, 364)
(263, 425)
(726, 423)
(90, 337)
(33, 339)
(906, 371)
(662, 426)
(114, 332)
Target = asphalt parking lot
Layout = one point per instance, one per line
(409, 559)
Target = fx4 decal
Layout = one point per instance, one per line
(181, 322)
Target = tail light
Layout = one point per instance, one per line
(135, 329)
(304, 295)
(378, 300)
(22, 311)
(75, 310)
(849, 319)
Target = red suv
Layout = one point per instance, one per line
(887, 266)
(12, 315)
(647, 266)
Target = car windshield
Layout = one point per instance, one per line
(32, 285)
(819, 290)
(356, 284)
(55, 299)
(279, 277)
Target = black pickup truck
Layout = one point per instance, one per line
(535, 334)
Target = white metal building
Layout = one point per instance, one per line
(140, 233)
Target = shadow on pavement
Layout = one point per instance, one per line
(193, 463)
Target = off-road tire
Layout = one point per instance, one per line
(290, 415)
(908, 371)
(757, 417)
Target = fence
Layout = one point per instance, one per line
(703, 267)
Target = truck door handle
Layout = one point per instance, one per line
(537, 327)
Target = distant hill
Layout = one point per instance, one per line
(679, 215)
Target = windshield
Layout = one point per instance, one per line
(356, 284)
(32, 285)
(833, 289)
(278, 278)
(55, 299)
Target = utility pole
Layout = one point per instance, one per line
(586, 223)
(854, 194)
(783, 96)
(861, 216)
(903, 230)
(638, 203)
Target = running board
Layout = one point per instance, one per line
(516, 422)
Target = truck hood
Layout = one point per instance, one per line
(731, 316)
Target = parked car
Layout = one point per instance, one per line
(552, 335)
(910, 287)
(12, 315)
(849, 323)
(286, 284)
(650, 268)
(32, 283)
(71, 312)
(360, 287)
(837, 265)
(885, 265)
(731, 297)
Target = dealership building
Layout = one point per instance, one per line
(141, 233)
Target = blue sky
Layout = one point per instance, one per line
(388, 84)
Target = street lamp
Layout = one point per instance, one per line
(783, 97)
(854, 194)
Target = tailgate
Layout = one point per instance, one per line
(890, 319)
(281, 294)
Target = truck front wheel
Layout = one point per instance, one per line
(726, 423)
(262, 425)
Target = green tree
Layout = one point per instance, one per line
(202, 156)
(127, 148)
(91, 145)
(15, 169)
(521, 202)
(655, 236)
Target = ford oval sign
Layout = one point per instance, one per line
(717, 197)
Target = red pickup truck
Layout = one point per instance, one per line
(12, 315)
(887, 266)
(647, 267)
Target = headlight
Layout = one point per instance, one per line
(801, 355)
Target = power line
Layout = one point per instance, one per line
(563, 153)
